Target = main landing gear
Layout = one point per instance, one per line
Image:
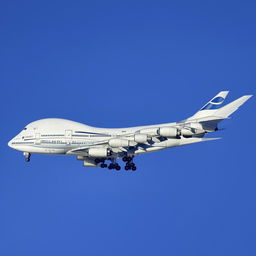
(114, 166)
(27, 156)
(130, 165)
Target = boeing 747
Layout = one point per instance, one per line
(95, 146)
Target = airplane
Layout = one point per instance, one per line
(94, 146)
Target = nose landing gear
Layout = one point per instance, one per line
(27, 156)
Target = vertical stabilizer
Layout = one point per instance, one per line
(211, 107)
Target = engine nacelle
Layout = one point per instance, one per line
(187, 132)
(141, 138)
(116, 143)
(169, 132)
(196, 126)
(149, 131)
(192, 129)
(99, 152)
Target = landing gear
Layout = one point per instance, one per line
(130, 165)
(99, 160)
(114, 166)
(102, 161)
(27, 156)
(127, 159)
(111, 166)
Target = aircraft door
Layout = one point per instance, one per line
(37, 138)
(68, 136)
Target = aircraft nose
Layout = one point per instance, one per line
(10, 144)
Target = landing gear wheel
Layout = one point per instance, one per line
(129, 159)
(118, 168)
(126, 168)
(134, 168)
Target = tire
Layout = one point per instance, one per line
(129, 159)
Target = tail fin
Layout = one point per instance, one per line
(210, 107)
(211, 113)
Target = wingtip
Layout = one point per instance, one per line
(246, 97)
(209, 139)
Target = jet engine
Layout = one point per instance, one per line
(116, 143)
(188, 130)
(169, 132)
(196, 126)
(141, 138)
(149, 131)
(192, 129)
(99, 152)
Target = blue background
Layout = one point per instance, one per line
(118, 64)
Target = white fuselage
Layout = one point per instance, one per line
(96, 145)
(59, 136)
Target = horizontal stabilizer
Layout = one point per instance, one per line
(230, 108)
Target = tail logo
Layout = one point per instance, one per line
(213, 104)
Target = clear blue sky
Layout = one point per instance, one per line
(118, 64)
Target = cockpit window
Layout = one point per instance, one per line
(25, 129)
